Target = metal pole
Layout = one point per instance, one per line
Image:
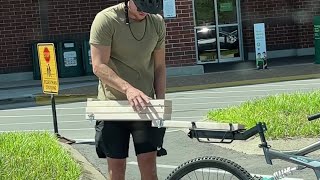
(55, 123)
(54, 114)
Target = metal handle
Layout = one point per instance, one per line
(313, 117)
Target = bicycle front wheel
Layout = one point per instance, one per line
(209, 168)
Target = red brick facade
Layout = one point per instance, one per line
(19, 24)
(180, 36)
(288, 26)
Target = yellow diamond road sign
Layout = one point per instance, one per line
(48, 68)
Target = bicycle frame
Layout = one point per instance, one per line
(296, 156)
(293, 157)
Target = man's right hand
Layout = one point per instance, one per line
(137, 98)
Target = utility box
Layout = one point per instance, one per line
(86, 56)
(69, 59)
(35, 62)
(317, 38)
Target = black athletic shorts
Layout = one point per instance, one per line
(112, 138)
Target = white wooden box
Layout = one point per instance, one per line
(121, 110)
(157, 111)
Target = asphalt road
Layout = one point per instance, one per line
(187, 106)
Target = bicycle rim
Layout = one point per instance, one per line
(209, 168)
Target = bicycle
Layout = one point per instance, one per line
(229, 169)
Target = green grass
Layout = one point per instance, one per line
(285, 114)
(36, 155)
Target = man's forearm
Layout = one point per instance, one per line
(110, 78)
(160, 82)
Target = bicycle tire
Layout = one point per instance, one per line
(209, 162)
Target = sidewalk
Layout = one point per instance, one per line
(217, 75)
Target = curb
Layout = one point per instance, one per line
(17, 100)
(240, 83)
(60, 83)
(65, 98)
(89, 172)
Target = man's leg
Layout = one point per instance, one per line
(112, 142)
(117, 168)
(147, 165)
(146, 140)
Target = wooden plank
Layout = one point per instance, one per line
(121, 103)
(128, 117)
(125, 109)
(199, 124)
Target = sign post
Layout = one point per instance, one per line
(49, 75)
(317, 38)
(49, 78)
(260, 45)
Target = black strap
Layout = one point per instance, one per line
(126, 11)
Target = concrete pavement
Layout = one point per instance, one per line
(226, 75)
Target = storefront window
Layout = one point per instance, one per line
(229, 42)
(207, 44)
(227, 11)
(204, 12)
(217, 31)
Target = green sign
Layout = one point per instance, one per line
(226, 7)
(317, 31)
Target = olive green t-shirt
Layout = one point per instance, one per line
(130, 59)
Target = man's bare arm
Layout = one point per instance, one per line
(100, 58)
(160, 73)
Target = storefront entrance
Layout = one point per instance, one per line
(217, 18)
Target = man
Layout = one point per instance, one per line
(128, 56)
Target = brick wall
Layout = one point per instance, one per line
(72, 19)
(304, 11)
(180, 48)
(288, 23)
(22, 23)
(19, 24)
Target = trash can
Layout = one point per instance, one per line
(317, 39)
(86, 56)
(35, 62)
(69, 59)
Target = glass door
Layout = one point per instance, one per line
(217, 31)
(229, 29)
(205, 31)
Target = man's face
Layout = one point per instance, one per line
(136, 13)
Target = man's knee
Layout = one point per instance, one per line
(117, 167)
(147, 160)
(147, 165)
(148, 156)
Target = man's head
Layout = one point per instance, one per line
(140, 8)
(149, 6)
(135, 12)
